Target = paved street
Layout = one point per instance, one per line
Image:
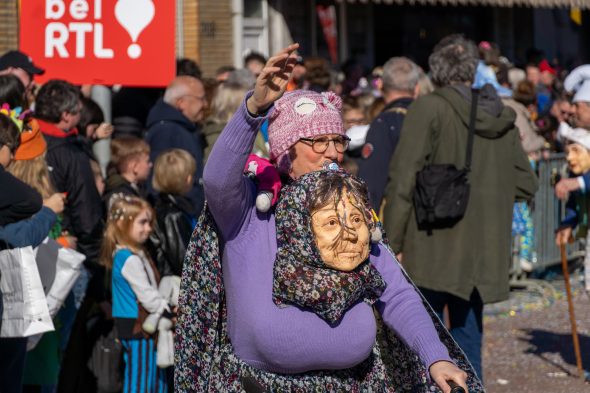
(528, 345)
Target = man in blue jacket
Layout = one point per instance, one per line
(172, 123)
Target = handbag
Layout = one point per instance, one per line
(106, 362)
(25, 307)
(441, 194)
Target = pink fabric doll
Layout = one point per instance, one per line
(269, 181)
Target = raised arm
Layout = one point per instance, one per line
(229, 194)
(227, 191)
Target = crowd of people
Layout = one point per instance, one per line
(265, 302)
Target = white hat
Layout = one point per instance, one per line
(578, 81)
(577, 135)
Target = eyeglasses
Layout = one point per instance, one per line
(320, 144)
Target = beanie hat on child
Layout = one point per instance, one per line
(303, 114)
(32, 143)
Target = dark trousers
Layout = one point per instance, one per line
(466, 321)
(12, 364)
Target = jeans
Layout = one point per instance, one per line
(466, 321)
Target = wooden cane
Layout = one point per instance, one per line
(570, 302)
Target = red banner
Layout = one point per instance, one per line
(327, 16)
(128, 42)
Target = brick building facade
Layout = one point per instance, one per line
(8, 25)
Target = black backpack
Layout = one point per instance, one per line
(442, 191)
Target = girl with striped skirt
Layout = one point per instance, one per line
(135, 291)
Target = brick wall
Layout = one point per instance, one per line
(215, 35)
(8, 25)
(190, 29)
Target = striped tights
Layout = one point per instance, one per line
(142, 375)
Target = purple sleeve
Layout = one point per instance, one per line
(228, 192)
(403, 311)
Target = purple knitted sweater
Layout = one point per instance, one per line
(290, 339)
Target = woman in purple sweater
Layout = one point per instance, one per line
(286, 347)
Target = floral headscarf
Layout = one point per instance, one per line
(300, 276)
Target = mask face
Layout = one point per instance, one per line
(578, 158)
(342, 234)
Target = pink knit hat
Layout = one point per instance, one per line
(303, 114)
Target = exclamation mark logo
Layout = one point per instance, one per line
(134, 16)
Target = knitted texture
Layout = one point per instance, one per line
(303, 114)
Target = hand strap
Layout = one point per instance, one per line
(472, 116)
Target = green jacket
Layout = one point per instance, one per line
(211, 132)
(475, 253)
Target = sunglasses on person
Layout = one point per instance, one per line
(320, 144)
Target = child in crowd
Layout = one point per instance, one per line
(175, 215)
(129, 169)
(522, 102)
(134, 290)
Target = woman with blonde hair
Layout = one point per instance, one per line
(29, 163)
(29, 166)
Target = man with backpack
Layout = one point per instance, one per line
(457, 260)
(400, 88)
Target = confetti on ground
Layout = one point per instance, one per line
(528, 342)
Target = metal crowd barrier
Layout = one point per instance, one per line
(547, 213)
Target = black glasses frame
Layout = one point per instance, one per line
(341, 143)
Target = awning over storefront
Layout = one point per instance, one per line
(582, 4)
